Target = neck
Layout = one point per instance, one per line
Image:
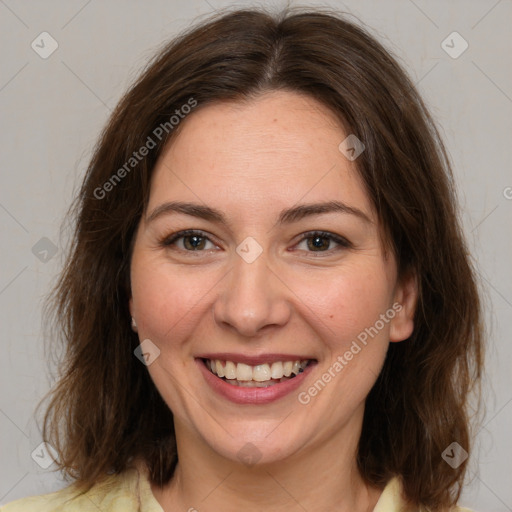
(321, 477)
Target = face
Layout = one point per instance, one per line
(263, 283)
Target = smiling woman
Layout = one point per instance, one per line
(275, 308)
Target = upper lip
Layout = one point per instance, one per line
(254, 360)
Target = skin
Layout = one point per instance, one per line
(251, 160)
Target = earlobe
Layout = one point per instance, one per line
(406, 297)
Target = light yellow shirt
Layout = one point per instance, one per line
(131, 492)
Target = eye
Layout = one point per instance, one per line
(189, 240)
(192, 240)
(320, 241)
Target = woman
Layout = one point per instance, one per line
(268, 303)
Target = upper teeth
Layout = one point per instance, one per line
(258, 373)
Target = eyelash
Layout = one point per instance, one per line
(342, 242)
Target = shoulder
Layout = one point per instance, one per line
(117, 493)
(391, 499)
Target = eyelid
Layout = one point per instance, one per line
(169, 240)
(341, 241)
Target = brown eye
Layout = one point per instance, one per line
(194, 242)
(188, 241)
(318, 242)
(322, 242)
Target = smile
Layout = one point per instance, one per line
(254, 380)
(261, 375)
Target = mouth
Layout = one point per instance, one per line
(262, 375)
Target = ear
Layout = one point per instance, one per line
(134, 323)
(404, 304)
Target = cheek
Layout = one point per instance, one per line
(339, 303)
(346, 301)
(166, 301)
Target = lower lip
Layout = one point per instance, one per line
(254, 396)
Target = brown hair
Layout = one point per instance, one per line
(105, 409)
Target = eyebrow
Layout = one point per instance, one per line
(286, 216)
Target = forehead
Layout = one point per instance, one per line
(272, 151)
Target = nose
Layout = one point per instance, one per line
(252, 298)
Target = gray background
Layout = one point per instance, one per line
(53, 110)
